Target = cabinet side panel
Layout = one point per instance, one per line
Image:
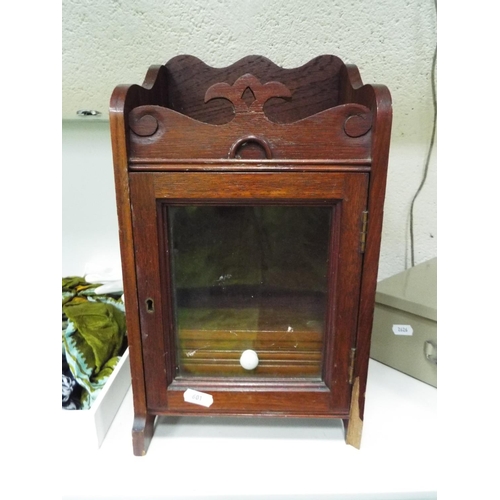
(124, 213)
(382, 109)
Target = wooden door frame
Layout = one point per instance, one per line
(330, 398)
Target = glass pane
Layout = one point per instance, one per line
(249, 277)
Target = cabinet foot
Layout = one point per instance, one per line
(142, 432)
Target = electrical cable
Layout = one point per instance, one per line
(427, 161)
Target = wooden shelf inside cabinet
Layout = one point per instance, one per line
(250, 204)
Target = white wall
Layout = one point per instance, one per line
(108, 43)
(89, 220)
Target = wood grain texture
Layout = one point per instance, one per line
(210, 186)
(149, 288)
(250, 133)
(345, 289)
(354, 424)
(255, 402)
(347, 192)
(337, 133)
(142, 432)
(313, 85)
(258, 93)
(378, 98)
(123, 99)
(118, 128)
(281, 353)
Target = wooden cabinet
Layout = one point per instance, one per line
(250, 204)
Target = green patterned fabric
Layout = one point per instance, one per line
(94, 337)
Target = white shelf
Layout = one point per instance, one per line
(195, 458)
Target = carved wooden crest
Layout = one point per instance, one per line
(338, 132)
(257, 94)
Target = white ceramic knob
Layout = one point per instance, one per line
(249, 359)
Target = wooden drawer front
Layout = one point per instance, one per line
(281, 354)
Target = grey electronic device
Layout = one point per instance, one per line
(404, 334)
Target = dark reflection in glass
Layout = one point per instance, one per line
(249, 277)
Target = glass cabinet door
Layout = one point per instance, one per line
(248, 288)
(249, 278)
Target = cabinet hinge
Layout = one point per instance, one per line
(364, 228)
(351, 364)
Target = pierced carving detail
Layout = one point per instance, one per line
(244, 87)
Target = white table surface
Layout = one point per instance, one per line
(298, 459)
